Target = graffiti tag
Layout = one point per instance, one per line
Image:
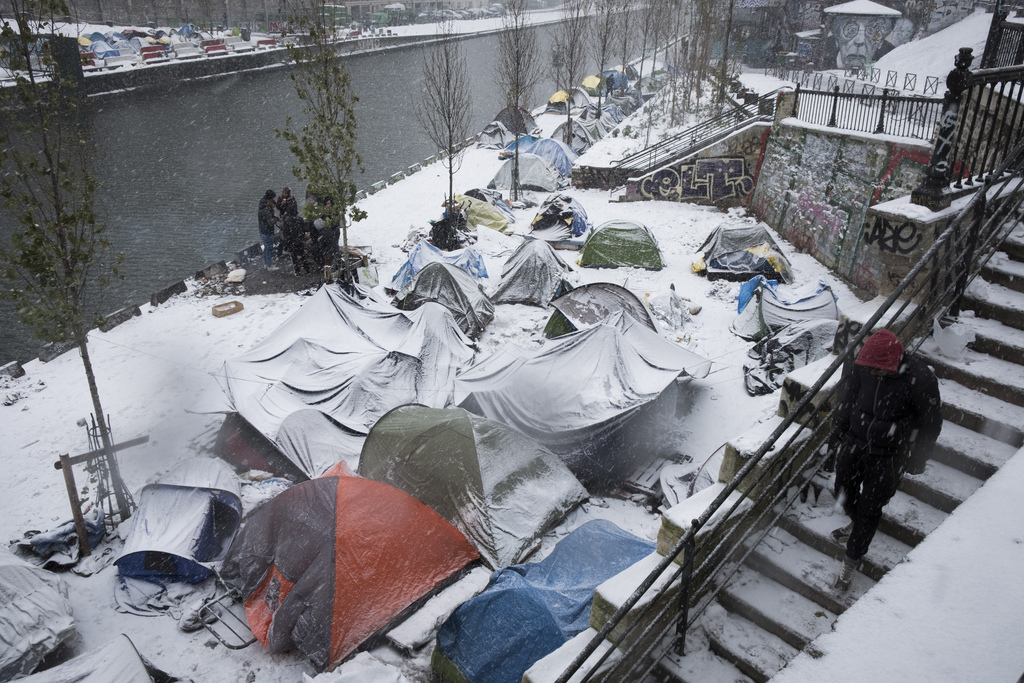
(711, 179)
(895, 239)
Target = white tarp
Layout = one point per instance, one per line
(116, 662)
(534, 174)
(35, 615)
(353, 361)
(316, 443)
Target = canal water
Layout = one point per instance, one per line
(183, 168)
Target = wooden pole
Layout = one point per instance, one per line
(76, 506)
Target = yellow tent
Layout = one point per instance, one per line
(84, 42)
(482, 213)
(560, 96)
(592, 84)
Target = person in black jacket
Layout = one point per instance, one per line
(267, 222)
(887, 422)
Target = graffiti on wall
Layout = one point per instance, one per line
(895, 238)
(711, 179)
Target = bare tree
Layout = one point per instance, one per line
(603, 36)
(447, 99)
(58, 253)
(518, 70)
(569, 54)
(625, 33)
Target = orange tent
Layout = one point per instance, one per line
(332, 561)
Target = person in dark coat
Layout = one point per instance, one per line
(267, 223)
(288, 208)
(887, 421)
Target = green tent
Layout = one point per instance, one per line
(621, 243)
(500, 488)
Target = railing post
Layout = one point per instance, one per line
(835, 107)
(880, 128)
(689, 548)
(796, 101)
(977, 220)
(934, 191)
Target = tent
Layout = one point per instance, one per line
(518, 121)
(594, 303)
(621, 243)
(468, 259)
(96, 37)
(501, 489)
(35, 615)
(617, 78)
(494, 136)
(560, 219)
(494, 198)
(102, 49)
(534, 174)
(117, 660)
(763, 310)
(581, 139)
(558, 103)
(332, 561)
(741, 253)
(592, 85)
(454, 289)
(351, 360)
(315, 442)
(791, 347)
(530, 610)
(481, 213)
(586, 395)
(184, 522)
(560, 155)
(534, 275)
(509, 150)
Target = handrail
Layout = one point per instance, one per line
(696, 136)
(932, 288)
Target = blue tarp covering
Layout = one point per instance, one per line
(103, 50)
(530, 610)
(555, 152)
(617, 77)
(97, 37)
(771, 288)
(424, 252)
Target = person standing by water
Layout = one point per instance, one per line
(267, 222)
(887, 421)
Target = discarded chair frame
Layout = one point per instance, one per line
(226, 617)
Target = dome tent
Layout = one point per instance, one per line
(560, 219)
(621, 243)
(533, 275)
(501, 489)
(594, 303)
(534, 174)
(741, 253)
(494, 136)
(581, 139)
(518, 121)
(454, 289)
(560, 155)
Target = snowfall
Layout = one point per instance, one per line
(952, 611)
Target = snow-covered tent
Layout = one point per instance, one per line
(763, 310)
(560, 219)
(534, 174)
(593, 303)
(560, 155)
(315, 442)
(102, 49)
(454, 289)
(585, 395)
(558, 103)
(494, 198)
(184, 522)
(518, 121)
(332, 561)
(114, 662)
(35, 615)
(533, 275)
(523, 140)
(494, 136)
(792, 347)
(621, 243)
(481, 213)
(581, 139)
(351, 360)
(741, 253)
(592, 85)
(468, 259)
(501, 489)
(530, 610)
(617, 78)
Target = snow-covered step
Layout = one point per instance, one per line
(1013, 246)
(1005, 271)
(614, 592)
(909, 520)
(999, 303)
(996, 339)
(983, 414)
(775, 608)
(799, 567)
(796, 384)
(979, 371)
(941, 486)
(550, 667)
(699, 665)
(970, 452)
(813, 526)
(757, 653)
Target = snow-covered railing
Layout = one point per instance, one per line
(867, 112)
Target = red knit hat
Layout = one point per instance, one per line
(882, 350)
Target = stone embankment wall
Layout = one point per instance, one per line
(723, 174)
(816, 185)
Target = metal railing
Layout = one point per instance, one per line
(709, 552)
(699, 136)
(991, 121)
(888, 113)
(1005, 43)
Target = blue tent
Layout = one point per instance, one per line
(97, 37)
(617, 78)
(529, 610)
(103, 50)
(555, 152)
(510, 148)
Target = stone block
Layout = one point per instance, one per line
(51, 350)
(167, 292)
(395, 178)
(761, 478)
(111, 321)
(360, 195)
(12, 370)
(378, 186)
(429, 160)
(415, 168)
(796, 385)
(219, 268)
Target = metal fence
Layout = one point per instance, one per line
(688, 578)
(867, 112)
(991, 121)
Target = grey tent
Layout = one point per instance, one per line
(316, 442)
(741, 253)
(763, 310)
(454, 289)
(534, 275)
(518, 121)
(115, 662)
(494, 136)
(598, 398)
(581, 139)
(561, 220)
(501, 489)
(594, 303)
(35, 615)
(534, 174)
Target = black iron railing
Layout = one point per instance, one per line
(691, 574)
(701, 135)
(991, 121)
(888, 113)
(1005, 43)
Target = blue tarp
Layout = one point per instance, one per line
(529, 610)
(424, 252)
(771, 288)
(97, 37)
(555, 152)
(617, 77)
(103, 50)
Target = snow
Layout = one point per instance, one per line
(951, 611)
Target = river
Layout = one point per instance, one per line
(182, 168)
